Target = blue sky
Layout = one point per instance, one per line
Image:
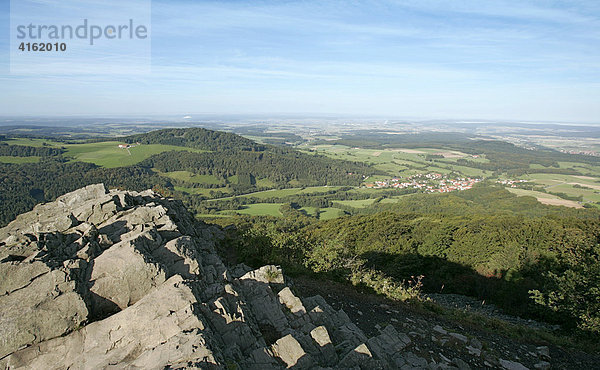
(471, 59)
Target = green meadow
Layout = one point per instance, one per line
(34, 142)
(105, 154)
(264, 183)
(261, 209)
(362, 203)
(330, 213)
(18, 160)
(108, 154)
(272, 209)
(279, 193)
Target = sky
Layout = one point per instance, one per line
(460, 59)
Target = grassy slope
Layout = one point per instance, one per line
(108, 154)
(262, 209)
(9, 159)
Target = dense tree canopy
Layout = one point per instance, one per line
(24, 185)
(277, 165)
(28, 151)
(198, 138)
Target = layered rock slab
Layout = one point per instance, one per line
(139, 336)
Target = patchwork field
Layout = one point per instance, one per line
(403, 162)
(544, 198)
(589, 170)
(587, 187)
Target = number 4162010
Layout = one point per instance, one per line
(41, 46)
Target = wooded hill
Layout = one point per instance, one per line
(24, 185)
(198, 138)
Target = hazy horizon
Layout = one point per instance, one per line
(423, 60)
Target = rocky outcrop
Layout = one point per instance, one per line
(104, 278)
(121, 279)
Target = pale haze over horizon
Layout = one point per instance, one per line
(506, 60)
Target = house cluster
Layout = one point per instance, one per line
(127, 146)
(511, 183)
(430, 183)
(585, 152)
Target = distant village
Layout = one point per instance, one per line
(430, 183)
(585, 152)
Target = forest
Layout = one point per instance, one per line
(199, 138)
(535, 263)
(28, 151)
(22, 186)
(277, 165)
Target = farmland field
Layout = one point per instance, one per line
(34, 142)
(546, 198)
(105, 154)
(108, 154)
(404, 162)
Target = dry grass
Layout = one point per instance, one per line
(411, 151)
(451, 154)
(544, 198)
(560, 202)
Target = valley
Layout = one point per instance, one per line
(467, 214)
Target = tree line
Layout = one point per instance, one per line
(29, 151)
